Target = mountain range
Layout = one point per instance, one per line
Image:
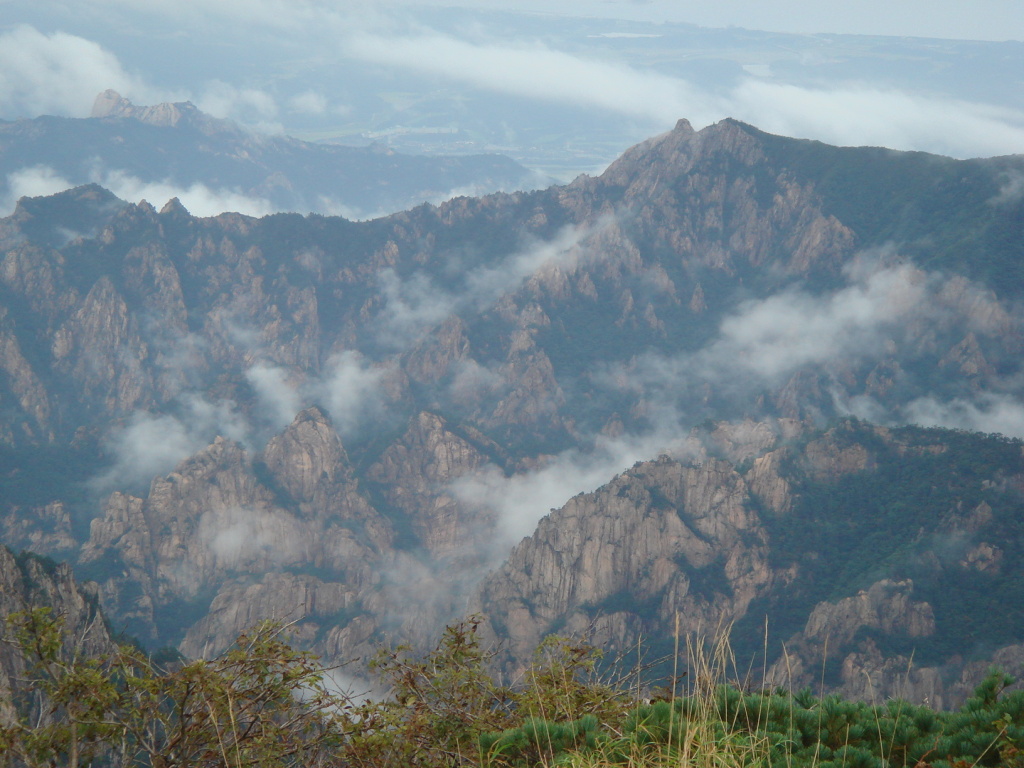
(177, 149)
(671, 395)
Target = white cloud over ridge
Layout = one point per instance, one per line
(415, 304)
(773, 337)
(198, 198)
(989, 412)
(58, 74)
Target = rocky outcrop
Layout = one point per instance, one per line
(678, 539)
(215, 517)
(694, 546)
(111, 104)
(886, 609)
(415, 474)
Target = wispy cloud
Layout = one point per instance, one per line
(986, 412)
(247, 537)
(536, 72)
(519, 501)
(251, 107)
(198, 198)
(862, 115)
(845, 115)
(773, 337)
(150, 444)
(59, 74)
(309, 103)
(34, 181)
(414, 304)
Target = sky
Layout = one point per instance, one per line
(953, 19)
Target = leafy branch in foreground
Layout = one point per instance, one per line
(261, 703)
(264, 704)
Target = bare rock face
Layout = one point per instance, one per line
(307, 604)
(309, 464)
(100, 347)
(45, 529)
(111, 104)
(113, 311)
(847, 633)
(650, 534)
(671, 166)
(213, 518)
(29, 582)
(24, 386)
(886, 608)
(416, 473)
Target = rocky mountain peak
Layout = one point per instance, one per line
(173, 207)
(111, 104)
(683, 126)
(674, 154)
(307, 454)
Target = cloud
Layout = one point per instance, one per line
(861, 115)
(149, 445)
(988, 412)
(773, 337)
(58, 74)
(416, 303)
(351, 389)
(758, 347)
(239, 536)
(35, 181)
(894, 328)
(198, 198)
(1011, 190)
(309, 103)
(846, 115)
(278, 399)
(520, 501)
(248, 106)
(534, 72)
(766, 341)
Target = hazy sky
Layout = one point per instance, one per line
(953, 19)
(318, 68)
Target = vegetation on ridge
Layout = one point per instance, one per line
(264, 704)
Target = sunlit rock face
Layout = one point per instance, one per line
(353, 425)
